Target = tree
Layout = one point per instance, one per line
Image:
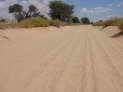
(75, 20)
(17, 10)
(20, 14)
(60, 10)
(85, 20)
(32, 12)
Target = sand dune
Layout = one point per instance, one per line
(69, 59)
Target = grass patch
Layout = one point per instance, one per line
(6, 25)
(57, 23)
(111, 22)
(34, 22)
(99, 23)
(121, 25)
(3, 20)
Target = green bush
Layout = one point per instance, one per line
(75, 20)
(85, 20)
(57, 23)
(34, 22)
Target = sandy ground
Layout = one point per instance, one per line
(69, 59)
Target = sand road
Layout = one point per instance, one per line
(69, 59)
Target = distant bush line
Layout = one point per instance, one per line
(34, 22)
(110, 22)
(60, 13)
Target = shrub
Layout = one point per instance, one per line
(34, 22)
(75, 20)
(1, 26)
(85, 20)
(119, 22)
(2, 20)
(110, 22)
(8, 24)
(98, 23)
(57, 23)
(74, 24)
(121, 26)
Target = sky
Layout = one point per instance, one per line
(94, 9)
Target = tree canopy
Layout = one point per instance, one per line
(85, 20)
(75, 20)
(15, 8)
(60, 10)
(20, 14)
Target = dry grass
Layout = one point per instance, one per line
(7, 25)
(57, 23)
(34, 22)
(121, 26)
(111, 22)
(99, 23)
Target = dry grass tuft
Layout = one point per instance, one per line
(34, 22)
(57, 23)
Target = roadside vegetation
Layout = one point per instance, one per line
(110, 22)
(34, 22)
(85, 20)
(60, 13)
(4, 24)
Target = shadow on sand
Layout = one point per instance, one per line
(117, 35)
(5, 37)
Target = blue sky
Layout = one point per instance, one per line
(109, 8)
(94, 9)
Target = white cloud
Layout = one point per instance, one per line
(96, 10)
(41, 4)
(120, 4)
(110, 5)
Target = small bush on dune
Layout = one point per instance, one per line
(121, 26)
(74, 24)
(110, 22)
(3, 20)
(57, 23)
(8, 24)
(1, 26)
(34, 22)
(114, 22)
(119, 22)
(98, 23)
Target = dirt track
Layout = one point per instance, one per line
(72, 59)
